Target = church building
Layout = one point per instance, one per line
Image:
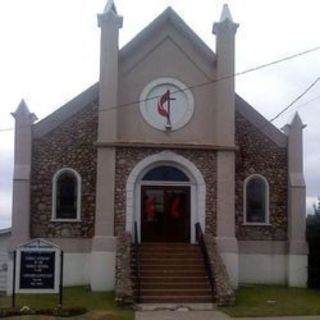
(159, 181)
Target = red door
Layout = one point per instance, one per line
(165, 214)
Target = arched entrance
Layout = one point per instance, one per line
(165, 197)
(165, 205)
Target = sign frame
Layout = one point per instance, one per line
(39, 245)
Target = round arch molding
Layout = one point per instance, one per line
(197, 184)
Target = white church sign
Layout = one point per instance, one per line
(37, 267)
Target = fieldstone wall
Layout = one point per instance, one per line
(223, 290)
(259, 155)
(70, 145)
(128, 158)
(124, 288)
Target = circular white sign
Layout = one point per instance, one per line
(166, 104)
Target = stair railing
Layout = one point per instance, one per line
(137, 263)
(205, 255)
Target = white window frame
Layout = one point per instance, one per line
(267, 201)
(54, 195)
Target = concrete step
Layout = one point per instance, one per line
(172, 273)
(167, 245)
(174, 292)
(176, 256)
(171, 248)
(189, 248)
(172, 279)
(173, 299)
(176, 306)
(175, 285)
(168, 261)
(173, 267)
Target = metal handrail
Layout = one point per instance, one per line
(137, 264)
(205, 255)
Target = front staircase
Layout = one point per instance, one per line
(171, 273)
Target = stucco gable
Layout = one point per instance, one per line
(90, 95)
(260, 122)
(148, 38)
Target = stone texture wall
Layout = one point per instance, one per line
(259, 155)
(124, 258)
(128, 158)
(223, 290)
(71, 145)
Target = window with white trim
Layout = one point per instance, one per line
(256, 200)
(66, 198)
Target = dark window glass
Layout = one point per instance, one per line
(67, 196)
(165, 173)
(256, 200)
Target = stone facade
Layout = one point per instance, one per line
(124, 257)
(127, 159)
(70, 145)
(224, 293)
(257, 154)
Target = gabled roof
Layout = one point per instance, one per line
(65, 112)
(169, 16)
(39, 244)
(260, 122)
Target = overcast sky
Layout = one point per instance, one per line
(50, 53)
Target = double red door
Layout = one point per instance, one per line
(165, 214)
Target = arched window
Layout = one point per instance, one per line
(66, 198)
(165, 173)
(256, 200)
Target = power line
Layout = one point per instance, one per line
(303, 104)
(132, 103)
(269, 122)
(295, 100)
(234, 75)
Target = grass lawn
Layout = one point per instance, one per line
(274, 301)
(101, 305)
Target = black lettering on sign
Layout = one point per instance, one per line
(37, 270)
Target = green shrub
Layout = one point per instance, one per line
(58, 311)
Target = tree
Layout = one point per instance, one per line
(313, 237)
(316, 207)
